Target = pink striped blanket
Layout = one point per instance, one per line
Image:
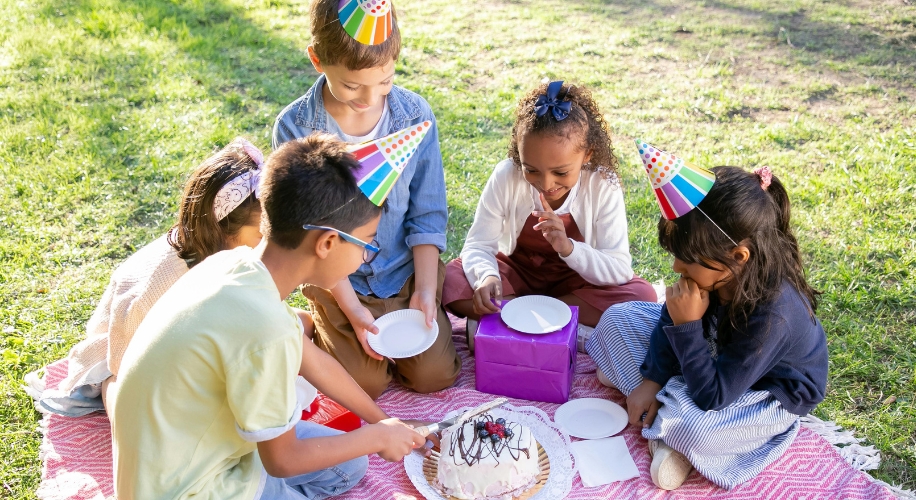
(76, 452)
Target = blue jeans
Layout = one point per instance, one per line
(316, 485)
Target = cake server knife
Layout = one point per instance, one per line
(445, 424)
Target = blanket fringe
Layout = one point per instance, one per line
(860, 457)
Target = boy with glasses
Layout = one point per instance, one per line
(205, 405)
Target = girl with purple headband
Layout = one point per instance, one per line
(219, 211)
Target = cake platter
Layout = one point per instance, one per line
(555, 462)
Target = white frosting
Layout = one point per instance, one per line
(492, 476)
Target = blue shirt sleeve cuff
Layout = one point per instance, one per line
(674, 331)
(654, 373)
(437, 239)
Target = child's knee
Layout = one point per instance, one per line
(355, 469)
(644, 292)
(434, 376)
(610, 319)
(427, 386)
(374, 385)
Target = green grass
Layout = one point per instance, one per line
(105, 106)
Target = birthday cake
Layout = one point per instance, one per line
(487, 458)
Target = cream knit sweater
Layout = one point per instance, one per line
(135, 286)
(595, 204)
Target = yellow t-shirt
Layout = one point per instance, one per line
(210, 372)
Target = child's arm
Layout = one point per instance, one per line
(287, 455)
(715, 383)
(360, 317)
(425, 222)
(478, 256)
(609, 262)
(659, 365)
(329, 377)
(426, 273)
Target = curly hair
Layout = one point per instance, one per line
(585, 122)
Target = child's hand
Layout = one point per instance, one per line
(550, 225)
(362, 321)
(432, 439)
(686, 301)
(642, 406)
(425, 302)
(397, 439)
(491, 289)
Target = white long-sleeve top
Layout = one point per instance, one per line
(596, 205)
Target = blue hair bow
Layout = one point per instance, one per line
(548, 102)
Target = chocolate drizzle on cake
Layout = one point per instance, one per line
(471, 449)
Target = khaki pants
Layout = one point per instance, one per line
(432, 370)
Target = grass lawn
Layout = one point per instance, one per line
(106, 105)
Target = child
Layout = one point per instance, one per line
(551, 218)
(354, 98)
(205, 405)
(722, 372)
(219, 210)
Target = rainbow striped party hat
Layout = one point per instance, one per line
(679, 186)
(367, 21)
(382, 160)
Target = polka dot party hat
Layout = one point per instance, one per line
(382, 160)
(367, 21)
(679, 186)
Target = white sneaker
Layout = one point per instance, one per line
(583, 333)
(471, 332)
(669, 468)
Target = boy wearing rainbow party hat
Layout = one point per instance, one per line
(355, 44)
(206, 405)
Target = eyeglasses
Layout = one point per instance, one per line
(370, 250)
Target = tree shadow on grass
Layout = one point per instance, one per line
(228, 54)
(887, 52)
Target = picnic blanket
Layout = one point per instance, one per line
(76, 452)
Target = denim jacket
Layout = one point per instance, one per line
(417, 210)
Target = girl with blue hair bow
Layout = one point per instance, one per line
(551, 219)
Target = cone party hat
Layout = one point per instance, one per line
(381, 161)
(679, 186)
(366, 21)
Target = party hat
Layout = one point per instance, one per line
(381, 161)
(678, 185)
(367, 21)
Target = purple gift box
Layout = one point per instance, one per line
(525, 366)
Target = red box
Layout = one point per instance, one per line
(326, 411)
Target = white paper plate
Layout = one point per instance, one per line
(403, 334)
(536, 314)
(591, 418)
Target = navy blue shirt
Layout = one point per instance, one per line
(783, 350)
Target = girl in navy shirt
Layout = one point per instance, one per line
(718, 376)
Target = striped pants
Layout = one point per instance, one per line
(728, 446)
